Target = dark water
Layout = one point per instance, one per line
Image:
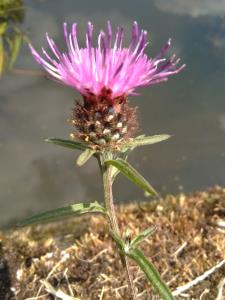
(35, 176)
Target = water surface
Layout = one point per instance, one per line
(36, 176)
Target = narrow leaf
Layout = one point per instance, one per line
(146, 266)
(151, 273)
(145, 140)
(67, 143)
(74, 209)
(126, 169)
(3, 27)
(123, 155)
(142, 236)
(84, 157)
(15, 48)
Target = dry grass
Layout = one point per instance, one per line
(79, 258)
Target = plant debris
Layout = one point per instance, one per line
(76, 258)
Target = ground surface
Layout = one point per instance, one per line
(79, 258)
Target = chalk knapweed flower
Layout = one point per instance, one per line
(105, 75)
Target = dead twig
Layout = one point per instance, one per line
(220, 289)
(62, 260)
(57, 292)
(198, 279)
(180, 249)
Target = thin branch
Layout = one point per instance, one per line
(205, 292)
(57, 292)
(220, 289)
(102, 293)
(198, 279)
(180, 249)
(93, 258)
(62, 260)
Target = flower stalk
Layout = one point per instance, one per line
(106, 172)
(108, 196)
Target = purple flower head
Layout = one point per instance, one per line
(109, 70)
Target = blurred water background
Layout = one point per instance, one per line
(35, 176)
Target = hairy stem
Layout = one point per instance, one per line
(108, 195)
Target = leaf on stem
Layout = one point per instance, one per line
(126, 169)
(67, 143)
(84, 157)
(144, 140)
(142, 236)
(71, 210)
(146, 266)
(15, 48)
(151, 273)
(3, 27)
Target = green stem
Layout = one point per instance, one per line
(106, 172)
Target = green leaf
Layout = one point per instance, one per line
(84, 157)
(15, 48)
(67, 143)
(71, 210)
(151, 273)
(3, 27)
(146, 266)
(126, 169)
(145, 140)
(142, 236)
(123, 155)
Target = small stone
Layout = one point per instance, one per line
(119, 125)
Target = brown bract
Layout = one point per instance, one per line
(79, 257)
(103, 123)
